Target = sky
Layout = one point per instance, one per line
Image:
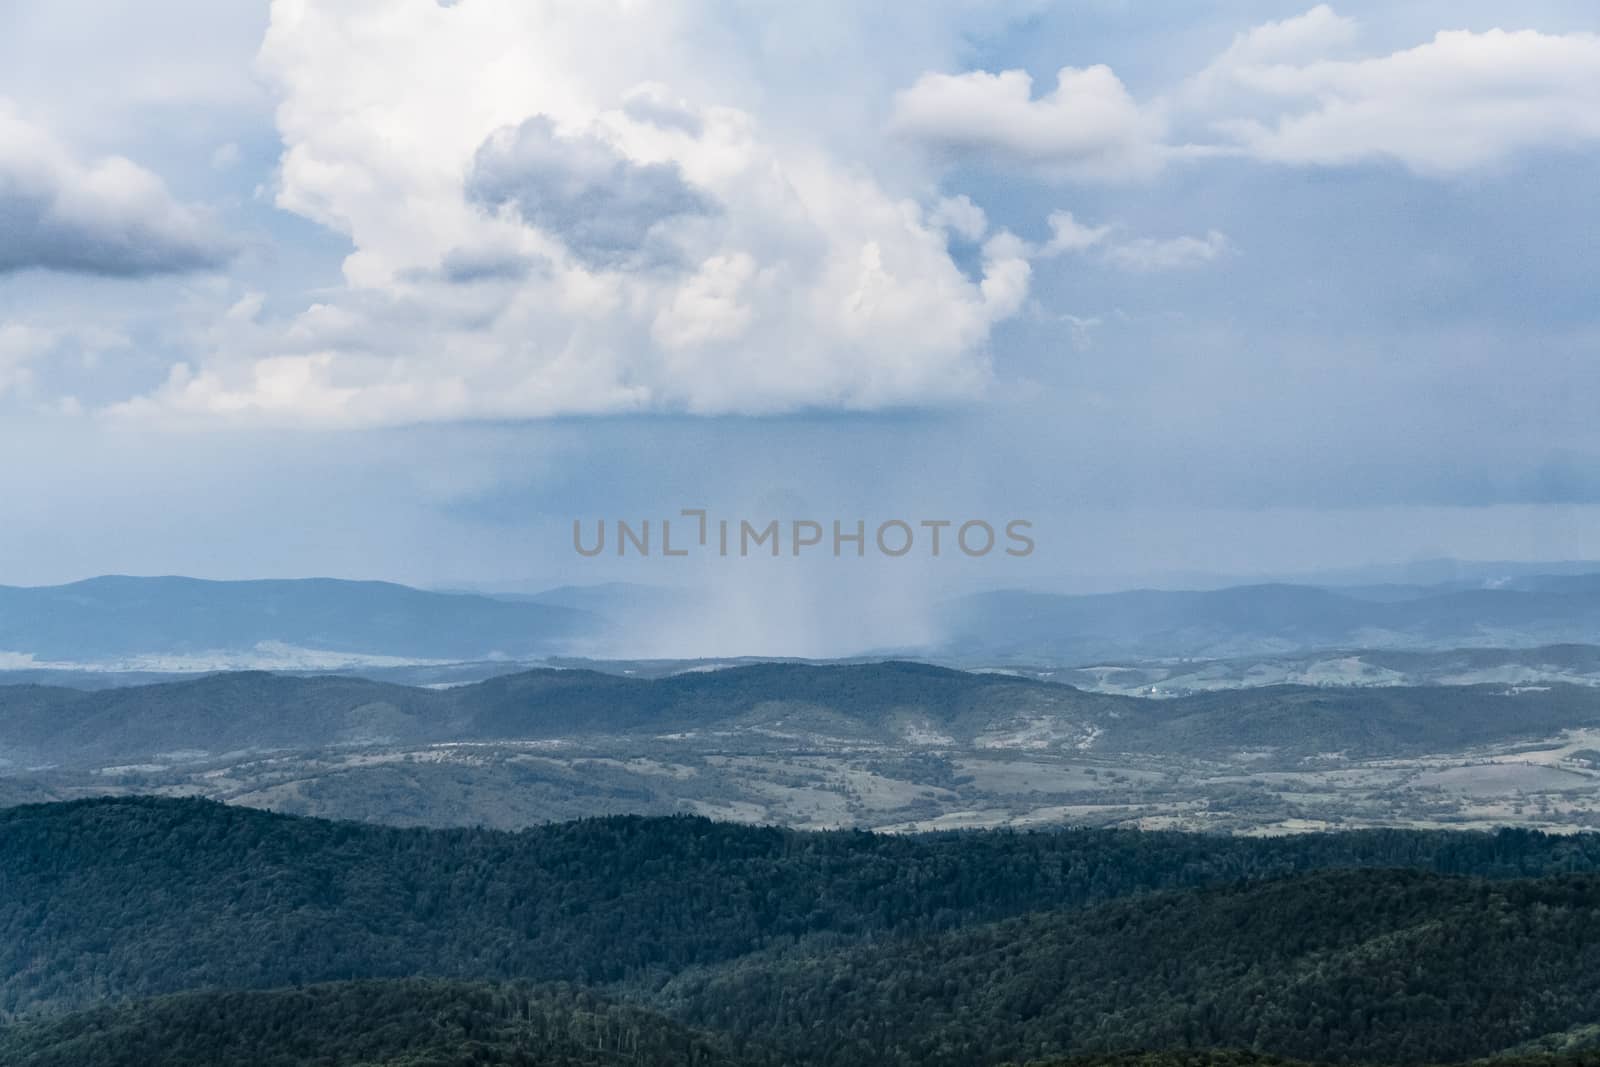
(401, 288)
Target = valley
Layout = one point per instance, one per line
(1547, 784)
(893, 746)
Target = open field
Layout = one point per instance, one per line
(817, 782)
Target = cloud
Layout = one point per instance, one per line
(692, 255)
(485, 264)
(111, 217)
(605, 208)
(1176, 253)
(93, 72)
(20, 345)
(1088, 126)
(654, 104)
(1068, 235)
(960, 215)
(1006, 273)
(1459, 102)
(1300, 39)
(26, 346)
(1283, 92)
(552, 210)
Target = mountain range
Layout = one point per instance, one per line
(119, 619)
(184, 624)
(1033, 627)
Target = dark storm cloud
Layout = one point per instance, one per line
(603, 206)
(37, 235)
(655, 110)
(464, 266)
(110, 217)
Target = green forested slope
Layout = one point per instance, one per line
(138, 897)
(401, 1023)
(1365, 966)
(1245, 1058)
(432, 1023)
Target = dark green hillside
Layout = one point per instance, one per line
(431, 1023)
(404, 1023)
(1243, 1058)
(1180, 1058)
(1363, 966)
(139, 897)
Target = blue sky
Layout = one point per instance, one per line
(395, 289)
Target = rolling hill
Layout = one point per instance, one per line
(395, 1023)
(877, 702)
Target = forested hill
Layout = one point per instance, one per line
(876, 702)
(1224, 1057)
(396, 1023)
(432, 1023)
(1356, 966)
(137, 897)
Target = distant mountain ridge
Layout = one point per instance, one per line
(178, 624)
(1024, 626)
(118, 617)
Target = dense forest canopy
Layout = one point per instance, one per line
(831, 948)
(396, 1023)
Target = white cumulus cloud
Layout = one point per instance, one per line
(1088, 126)
(558, 208)
(1289, 91)
(961, 216)
(1067, 234)
(1460, 101)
